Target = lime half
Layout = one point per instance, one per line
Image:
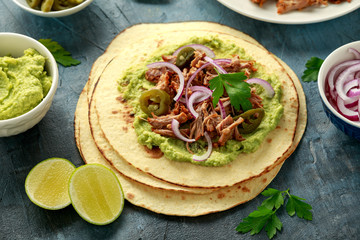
(96, 194)
(47, 183)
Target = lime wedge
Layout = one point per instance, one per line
(47, 183)
(96, 194)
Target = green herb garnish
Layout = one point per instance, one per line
(235, 86)
(60, 54)
(312, 69)
(266, 213)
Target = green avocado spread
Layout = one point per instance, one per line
(133, 83)
(23, 83)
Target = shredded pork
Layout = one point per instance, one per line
(209, 118)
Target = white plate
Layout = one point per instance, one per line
(268, 12)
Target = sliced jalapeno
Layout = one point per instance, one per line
(61, 5)
(252, 119)
(185, 57)
(46, 5)
(155, 101)
(33, 3)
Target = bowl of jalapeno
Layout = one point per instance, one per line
(52, 8)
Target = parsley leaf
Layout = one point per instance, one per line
(265, 215)
(276, 199)
(302, 209)
(255, 221)
(235, 86)
(60, 54)
(273, 226)
(313, 66)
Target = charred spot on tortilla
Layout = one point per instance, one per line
(245, 189)
(221, 195)
(130, 196)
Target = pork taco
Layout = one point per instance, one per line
(107, 131)
(112, 104)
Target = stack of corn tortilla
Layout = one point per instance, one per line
(105, 135)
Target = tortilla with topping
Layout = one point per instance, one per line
(150, 179)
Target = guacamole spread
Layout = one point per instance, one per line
(133, 83)
(23, 83)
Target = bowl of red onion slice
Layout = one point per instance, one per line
(339, 87)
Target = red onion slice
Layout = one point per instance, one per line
(354, 108)
(216, 65)
(340, 82)
(191, 102)
(175, 128)
(351, 104)
(355, 52)
(200, 47)
(222, 110)
(208, 152)
(346, 112)
(351, 84)
(333, 94)
(336, 70)
(265, 84)
(222, 60)
(176, 70)
(357, 75)
(354, 93)
(200, 89)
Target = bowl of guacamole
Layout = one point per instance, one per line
(28, 82)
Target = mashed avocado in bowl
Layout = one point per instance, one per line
(23, 83)
(28, 81)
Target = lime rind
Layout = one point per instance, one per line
(30, 195)
(86, 218)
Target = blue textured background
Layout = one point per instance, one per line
(325, 168)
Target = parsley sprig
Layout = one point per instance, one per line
(60, 54)
(312, 69)
(265, 215)
(235, 86)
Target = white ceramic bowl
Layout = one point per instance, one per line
(24, 5)
(15, 44)
(341, 54)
